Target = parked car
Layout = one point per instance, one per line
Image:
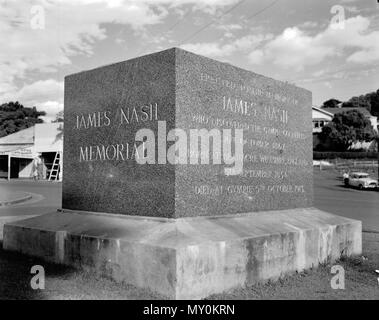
(362, 180)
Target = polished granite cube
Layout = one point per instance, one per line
(175, 89)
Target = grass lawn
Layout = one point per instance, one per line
(67, 283)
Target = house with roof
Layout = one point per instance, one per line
(18, 150)
(322, 116)
(373, 120)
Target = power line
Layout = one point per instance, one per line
(263, 9)
(168, 30)
(328, 75)
(202, 28)
(226, 12)
(178, 21)
(213, 21)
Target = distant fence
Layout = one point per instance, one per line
(341, 165)
(320, 155)
(356, 164)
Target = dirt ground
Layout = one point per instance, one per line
(66, 283)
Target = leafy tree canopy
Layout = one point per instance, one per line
(59, 117)
(362, 101)
(370, 101)
(347, 128)
(15, 117)
(331, 103)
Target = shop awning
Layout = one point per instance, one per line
(19, 151)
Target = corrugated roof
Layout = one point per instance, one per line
(25, 136)
(365, 112)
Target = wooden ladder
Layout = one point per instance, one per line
(54, 172)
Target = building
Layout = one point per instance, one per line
(18, 150)
(320, 117)
(373, 120)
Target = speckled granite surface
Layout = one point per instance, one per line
(123, 187)
(188, 92)
(278, 153)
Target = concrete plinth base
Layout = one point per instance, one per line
(188, 258)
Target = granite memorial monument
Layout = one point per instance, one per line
(186, 176)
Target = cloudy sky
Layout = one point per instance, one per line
(300, 41)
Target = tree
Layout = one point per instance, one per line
(59, 117)
(358, 102)
(15, 117)
(374, 102)
(345, 129)
(370, 101)
(331, 103)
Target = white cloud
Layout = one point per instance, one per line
(36, 92)
(216, 49)
(295, 48)
(228, 27)
(352, 9)
(328, 84)
(71, 28)
(212, 49)
(46, 95)
(51, 108)
(41, 90)
(256, 57)
(309, 24)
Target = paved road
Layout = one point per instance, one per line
(331, 195)
(7, 196)
(46, 197)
